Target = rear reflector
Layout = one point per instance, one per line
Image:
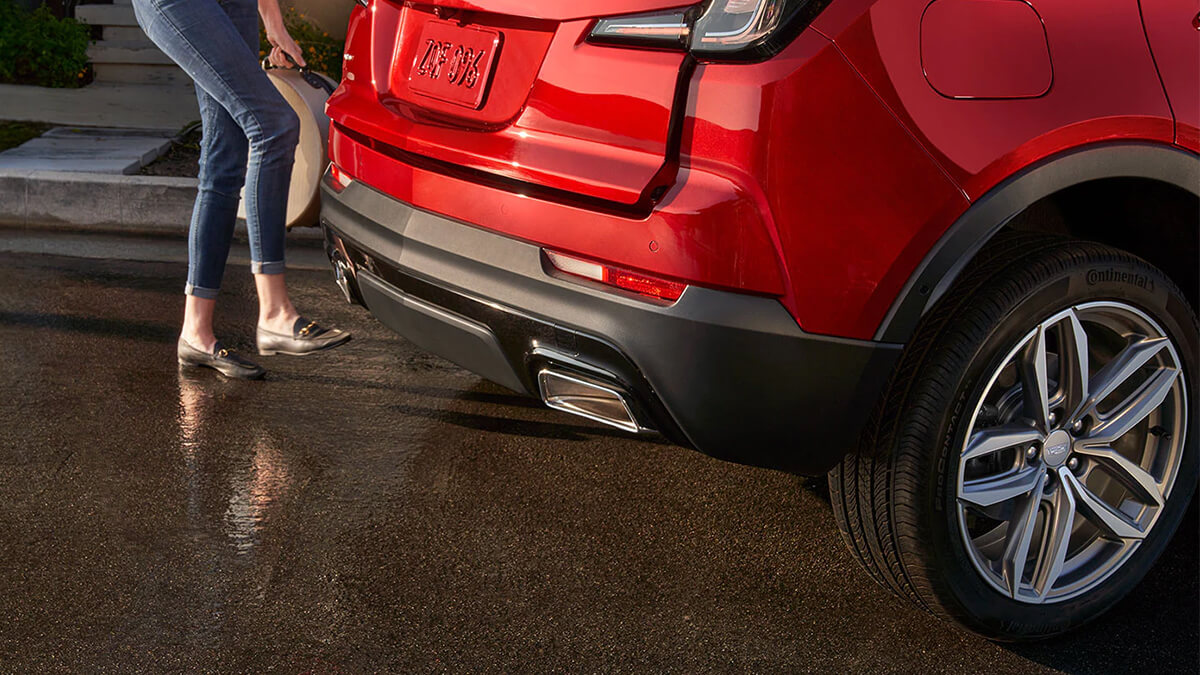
(629, 280)
(338, 179)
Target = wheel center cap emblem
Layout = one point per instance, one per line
(1056, 448)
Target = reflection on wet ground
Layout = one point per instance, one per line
(254, 490)
(378, 509)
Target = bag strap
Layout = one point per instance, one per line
(314, 80)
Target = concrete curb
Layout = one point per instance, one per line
(137, 106)
(103, 202)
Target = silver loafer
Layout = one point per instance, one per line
(222, 360)
(307, 337)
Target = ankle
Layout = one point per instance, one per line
(280, 321)
(205, 342)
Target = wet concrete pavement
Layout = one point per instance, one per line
(378, 509)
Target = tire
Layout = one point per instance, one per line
(925, 502)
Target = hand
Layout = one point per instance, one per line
(277, 35)
(282, 43)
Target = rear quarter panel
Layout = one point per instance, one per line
(1104, 87)
(847, 187)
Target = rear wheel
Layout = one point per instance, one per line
(1035, 452)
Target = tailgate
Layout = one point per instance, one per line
(513, 90)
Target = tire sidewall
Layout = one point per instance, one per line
(1118, 278)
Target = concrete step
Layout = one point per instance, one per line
(92, 200)
(128, 51)
(87, 149)
(100, 104)
(141, 74)
(106, 15)
(124, 33)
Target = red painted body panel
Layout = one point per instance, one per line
(561, 113)
(846, 196)
(1171, 27)
(963, 45)
(398, 31)
(823, 175)
(707, 230)
(1105, 88)
(559, 10)
(838, 16)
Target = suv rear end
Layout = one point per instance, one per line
(944, 250)
(546, 230)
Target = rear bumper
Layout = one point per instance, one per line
(729, 374)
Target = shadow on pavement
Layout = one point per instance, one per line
(477, 396)
(515, 427)
(137, 330)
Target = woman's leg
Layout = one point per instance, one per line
(275, 310)
(223, 153)
(198, 323)
(269, 176)
(215, 43)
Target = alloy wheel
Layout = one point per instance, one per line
(1072, 450)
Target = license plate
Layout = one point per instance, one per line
(454, 63)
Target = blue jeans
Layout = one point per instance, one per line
(244, 117)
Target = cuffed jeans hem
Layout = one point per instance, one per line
(201, 292)
(267, 267)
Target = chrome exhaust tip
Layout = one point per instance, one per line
(341, 276)
(584, 397)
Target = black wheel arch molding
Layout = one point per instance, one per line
(989, 214)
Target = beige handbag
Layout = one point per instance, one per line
(306, 92)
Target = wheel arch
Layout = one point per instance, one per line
(1086, 193)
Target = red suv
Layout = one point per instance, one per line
(945, 251)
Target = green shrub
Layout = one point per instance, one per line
(13, 134)
(322, 52)
(37, 48)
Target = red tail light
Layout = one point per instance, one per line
(643, 284)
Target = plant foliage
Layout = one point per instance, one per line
(13, 134)
(38, 48)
